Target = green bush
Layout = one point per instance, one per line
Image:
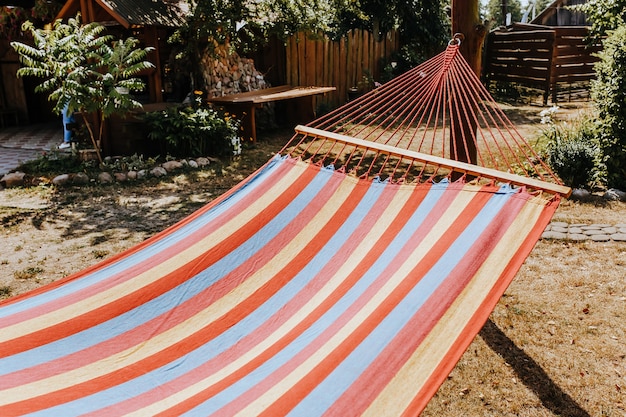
(573, 153)
(194, 131)
(608, 92)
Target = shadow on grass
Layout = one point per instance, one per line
(531, 373)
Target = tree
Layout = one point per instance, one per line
(605, 15)
(495, 8)
(84, 71)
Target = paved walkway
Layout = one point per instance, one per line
(597, 232)
(20, 144)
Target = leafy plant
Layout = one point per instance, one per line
(572, 151)
(608, 92)
(84, 70)
(605, 15)
(194, 131)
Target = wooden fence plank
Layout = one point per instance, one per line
(342, 63)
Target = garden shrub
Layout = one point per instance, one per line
(188, 131)
(608, 92)
(572, 151)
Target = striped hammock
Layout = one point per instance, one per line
(310, 289)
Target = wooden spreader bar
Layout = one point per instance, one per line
(461, 167)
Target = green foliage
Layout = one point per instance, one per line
(194, 131)
(608, 92)
(84, 70)
(12, 18)
(605, 15)
(245, 25)
(493, 11)
(53, 163)
(572, 152)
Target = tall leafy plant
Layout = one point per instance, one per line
(84, 70)
(608, 91)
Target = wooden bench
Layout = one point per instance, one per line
(243, 104)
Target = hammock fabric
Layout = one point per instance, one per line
(310, 289)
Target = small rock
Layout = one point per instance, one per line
(578, 236)
(80, 178)
(619, 237)
(105, 178)
(609, 230)
(594, 232)
(184, 162)
(131, 175)
(120, 176)
(141, 174)
(591, 227)
(614, 195)
(171, 165)
(559, 224)
(62, 179)
(193, 164)
(202, 162)
(580, 194)
(575, 230)
(158, 172)
(553, 235)
(13, 179)
(600, 238)
(559, 229)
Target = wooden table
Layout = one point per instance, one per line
(243, 104)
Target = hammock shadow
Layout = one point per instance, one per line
(531, 373)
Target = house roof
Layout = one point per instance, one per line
(553, 8)
(167, 13)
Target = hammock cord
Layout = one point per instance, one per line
(438, 108)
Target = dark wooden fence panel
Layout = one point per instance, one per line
(520, 57)
(573, 61)
(556, 60)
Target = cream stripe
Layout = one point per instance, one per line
(153, 274)
(280, 388)
(366, 244)
(399, 393)
(190, 326)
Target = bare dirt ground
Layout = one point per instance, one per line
(554, 346)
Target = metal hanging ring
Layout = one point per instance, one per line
(456, 39)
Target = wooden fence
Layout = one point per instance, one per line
(350, 62)
(556, 60)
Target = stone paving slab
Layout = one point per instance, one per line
(597, 232)
(20, 144)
